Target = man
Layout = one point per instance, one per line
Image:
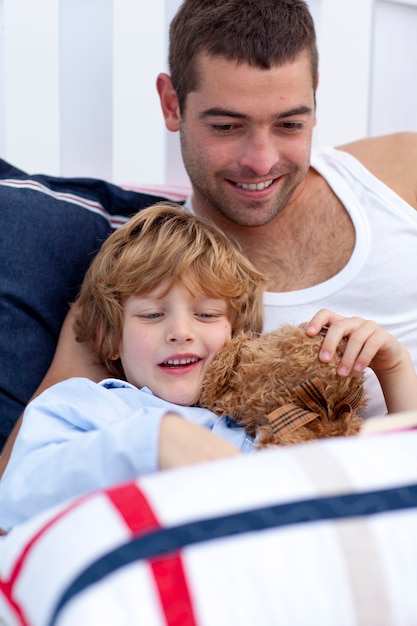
(338, 232)
(246, 111)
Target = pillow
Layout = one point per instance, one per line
(51, 229)
(316, 533)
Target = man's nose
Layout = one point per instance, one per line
(259, 153)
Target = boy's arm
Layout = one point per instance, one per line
(71, 359)
(369, 345)
(181, 443)
(66, 450)
(184, 443)
(399, 385)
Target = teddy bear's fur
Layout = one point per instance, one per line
(275, 386)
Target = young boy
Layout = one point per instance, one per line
(164, 294)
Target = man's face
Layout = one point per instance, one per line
(246, 138)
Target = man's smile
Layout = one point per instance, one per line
(256, 186)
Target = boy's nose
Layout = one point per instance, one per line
(180, 331)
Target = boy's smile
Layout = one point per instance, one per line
(180, 362)
(170, 338)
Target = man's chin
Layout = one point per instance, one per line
(251, 217)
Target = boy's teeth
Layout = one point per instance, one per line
(181, 361)
(255, 186)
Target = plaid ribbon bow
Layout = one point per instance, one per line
(313, 404)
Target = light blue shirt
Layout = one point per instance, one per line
(80, 436)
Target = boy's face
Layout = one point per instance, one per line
(169, 340)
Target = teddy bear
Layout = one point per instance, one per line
(275, 386)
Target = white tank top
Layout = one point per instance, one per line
(380, 280)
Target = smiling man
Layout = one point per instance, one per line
(241, 93)
(245, 136)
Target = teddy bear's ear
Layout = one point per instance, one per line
(220, 374)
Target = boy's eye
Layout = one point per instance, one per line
(205, 315)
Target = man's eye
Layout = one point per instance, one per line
(223, 128)
(292, 126)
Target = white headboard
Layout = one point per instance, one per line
(77, 82)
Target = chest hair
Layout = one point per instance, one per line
(310, 241)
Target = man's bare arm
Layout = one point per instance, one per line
(8, 447)
(72, 358)
(392, 159)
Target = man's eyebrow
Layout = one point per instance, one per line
(302, 110)
(218, 112)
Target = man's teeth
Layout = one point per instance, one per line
(255, 186)
(181, 361)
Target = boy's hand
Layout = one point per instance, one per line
(368, 344)
(184, 443)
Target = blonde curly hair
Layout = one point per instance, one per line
(164, 242)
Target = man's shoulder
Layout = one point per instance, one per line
(391, 158)
(381, 147)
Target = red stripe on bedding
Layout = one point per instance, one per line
(168, 572)
(7, 592)
(133, 506)
(173, 591)
(139, 517)
(7, 586)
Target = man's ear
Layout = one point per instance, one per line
(169, 102)
(315, 99)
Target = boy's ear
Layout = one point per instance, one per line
(169, 102)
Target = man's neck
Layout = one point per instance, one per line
(308, 242)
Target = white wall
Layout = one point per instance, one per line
(393, 88)
(77, 82)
